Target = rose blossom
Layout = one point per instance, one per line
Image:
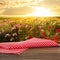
(11, 39)
(39, 27)
(13, 28)
(58, 30)
(14, 34)
(55, 37)
(7, 35)
(26, 26)
(49, 27)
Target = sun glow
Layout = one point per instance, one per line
(41, 11)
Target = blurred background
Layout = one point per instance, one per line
(24, 7)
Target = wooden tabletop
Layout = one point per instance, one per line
(35, 54)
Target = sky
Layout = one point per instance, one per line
(22, 7)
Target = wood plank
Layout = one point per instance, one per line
(35, 54)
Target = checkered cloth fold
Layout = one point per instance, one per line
(20, 47)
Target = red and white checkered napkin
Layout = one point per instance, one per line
(20, 47)
(12, 48)
(13, 51)
(37, 42)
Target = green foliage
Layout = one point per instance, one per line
(21, 29)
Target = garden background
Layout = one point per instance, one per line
(15, 29)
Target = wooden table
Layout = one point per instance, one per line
(35, 54)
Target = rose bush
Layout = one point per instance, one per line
(13, 30)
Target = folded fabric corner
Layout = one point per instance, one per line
(13, 51)
(20, 47)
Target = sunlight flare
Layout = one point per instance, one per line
(41, 11)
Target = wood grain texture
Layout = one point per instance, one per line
(35, 54)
